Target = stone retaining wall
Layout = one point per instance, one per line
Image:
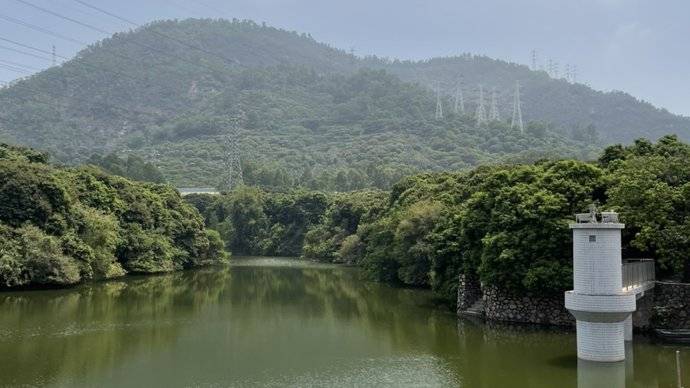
(666, 306)
(500, 306)
(469, 292)
(671, 306)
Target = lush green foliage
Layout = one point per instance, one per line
(256, 222)
(62, 226)
(506, 224)
(132, 167)
(650, 186)
(316, 116)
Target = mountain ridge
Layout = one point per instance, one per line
(136, 91)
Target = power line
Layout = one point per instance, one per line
(94, 28)
(19, 65)
(26, 46)
(183, 43)
(23, 52)
(41, 29)
(45, 10)
(14, 69)
(53, 54)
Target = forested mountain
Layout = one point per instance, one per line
(617, 116)
(314, 115)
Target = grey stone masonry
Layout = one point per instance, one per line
(500, 306)
(667, 306)
(469, 292)
(671, 308)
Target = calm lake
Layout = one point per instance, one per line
(277, 322)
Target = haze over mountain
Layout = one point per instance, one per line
(313, 113)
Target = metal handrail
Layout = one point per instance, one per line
(637, 272)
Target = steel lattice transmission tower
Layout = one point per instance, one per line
(534, 60)
(439, 103)
(233, 166)
(54, 58)
(459, 103)
(517, 110)
(573, 73)
(481, 110)
(493, 114)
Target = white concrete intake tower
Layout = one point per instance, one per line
(598, 301)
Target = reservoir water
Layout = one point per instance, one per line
(265, 322)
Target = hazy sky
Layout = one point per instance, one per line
(641, 47)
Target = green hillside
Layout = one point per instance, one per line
(315, 115)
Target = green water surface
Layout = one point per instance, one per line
(276, 322)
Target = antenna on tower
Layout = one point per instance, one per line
(233, 174)
(493, 115)
(459, 103)
(517, 110)
(54, 56)
(481, 111)
(439, 103)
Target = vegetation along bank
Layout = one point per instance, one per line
(62, 226)
(505, 225)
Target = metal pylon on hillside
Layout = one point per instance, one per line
(493, 114)
(517, 110)
(439, 103)
(481, 110)
(534, 60)
(459, 103)
(233, 167)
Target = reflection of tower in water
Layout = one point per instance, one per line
(592, 374)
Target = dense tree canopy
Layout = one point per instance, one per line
(61, 226)
(506, 224)
(132, 167)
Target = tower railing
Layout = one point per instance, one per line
(637, 273)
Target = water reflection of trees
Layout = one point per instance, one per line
(59, 336)
(68, 335)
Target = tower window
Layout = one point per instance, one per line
(592, 238)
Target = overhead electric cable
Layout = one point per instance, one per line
(26, 46)
(14, 69)
(24, 52)
(172, 38)
(99, 68)
(40, 29)
(102, 31)
(45, 10)
(21, 65)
